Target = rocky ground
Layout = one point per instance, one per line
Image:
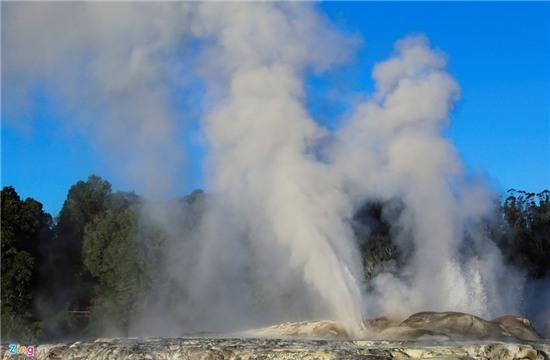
(256, 348)
(426, 335)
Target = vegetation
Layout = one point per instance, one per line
(25, 229)
(520, 228)
(93, 266)
(375, 234)
(524, 231)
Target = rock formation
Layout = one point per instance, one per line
(459, 326)
(325, 329)
(518, 327)
(437, 326)
(425, 335)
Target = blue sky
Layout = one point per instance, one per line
(499, 54)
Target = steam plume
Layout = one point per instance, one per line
(262, 150)
(275, 241)
(114, 67)
(393, 148)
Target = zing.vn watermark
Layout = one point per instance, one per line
(16, 349)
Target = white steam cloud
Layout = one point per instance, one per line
(393, 148)
(275, 242)
(263, 153)
(113, 66)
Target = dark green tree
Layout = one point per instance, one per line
(111, 259)
(524, 231)
(69, 285)
(25, 227)
(122, 252)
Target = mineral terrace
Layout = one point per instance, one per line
(425, 335)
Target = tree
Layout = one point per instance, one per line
(125, 251)
(111, 259)
(524, 235)
(122, 263)
(69, 285)
(25, 227)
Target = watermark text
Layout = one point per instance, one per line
(16, 349)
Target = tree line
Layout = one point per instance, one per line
(61, 278)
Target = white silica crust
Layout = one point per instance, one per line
(270, 348)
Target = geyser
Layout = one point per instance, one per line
(275, 241)
(393, 147)
(263, 141)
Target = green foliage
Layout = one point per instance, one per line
(19, 328)
(86, 199)
(524, 231)
(68, 286)
(112, 259)
(122, 262)
(374, 234)
(25, 227)
(521, 228)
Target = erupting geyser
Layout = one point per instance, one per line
(293, 185)
(275, 243)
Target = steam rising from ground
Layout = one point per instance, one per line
(275, 242)
(392, 147)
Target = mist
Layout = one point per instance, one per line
(275, 240)
(393, 147)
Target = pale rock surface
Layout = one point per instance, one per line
(324, 329)
(426, 335)
(257, 348)
(519, 327)
(459, 326)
